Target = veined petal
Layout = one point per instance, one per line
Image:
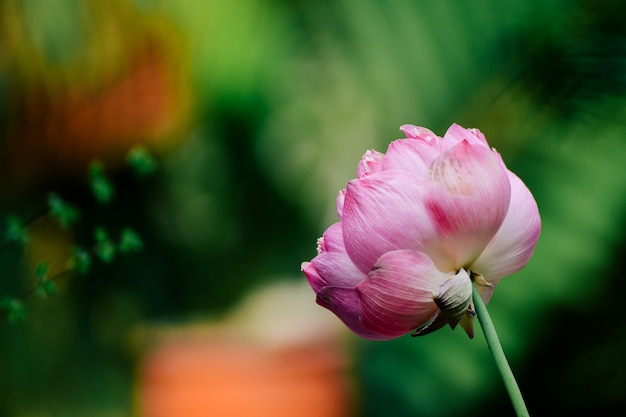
(332, 266)
(384, 212)
(370, 163)
(397, 296)
(346, 304)
(514, 243)
(436, 322)
(337, 269)
(410, 155)
(466, 195)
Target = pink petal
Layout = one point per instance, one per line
(467, 195)
(332, 239)
(332, 266)
(397, 296)
(384, 212)
(341, 197)
(313, 277)
(346, 304)
(487, 292)
(512, 246)
(410, 155)
(337, 269)
(478, 134)
(370, 163)
(418, 132)
(457, 134)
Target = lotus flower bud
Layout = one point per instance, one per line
(420, 224)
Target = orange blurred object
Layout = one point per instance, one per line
(198, 378)
(277, 356)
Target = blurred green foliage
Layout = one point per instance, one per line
(288, 96)
(80, 260)
(15, 231)
(140, 160)
(101, 187)
(64, 213)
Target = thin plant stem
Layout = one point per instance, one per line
(498, 355)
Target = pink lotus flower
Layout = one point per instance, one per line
(417, 227)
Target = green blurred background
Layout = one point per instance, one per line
(257, 113)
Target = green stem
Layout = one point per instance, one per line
(498, 355)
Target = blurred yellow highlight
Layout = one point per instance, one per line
(125, 82)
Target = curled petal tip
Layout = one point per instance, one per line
(418, 132)
(341, 198)
(370, 163)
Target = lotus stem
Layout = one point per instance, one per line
(493, 342)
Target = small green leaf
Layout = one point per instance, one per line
(129, 241)
(16, 232)
(105, 248)
(106, 251)
(80, 260)
(46, 288)
(63, 212)
(100, 234)
(101, 187)
(140, 160)
(42, 270)
(50, 286)
(14, 309)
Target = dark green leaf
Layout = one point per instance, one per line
(106, 251)
(105, 248)
(101, 187)
(42, 270)
(140, 160)
(14, 309)
(15, 231)
(46, 287)
(130, 241)
(100, 234)
(80, 260)
(63, 212)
